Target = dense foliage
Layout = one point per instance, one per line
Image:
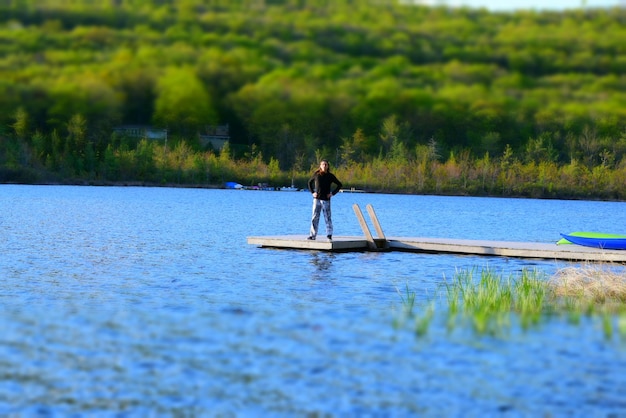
(399, 97)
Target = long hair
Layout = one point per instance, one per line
(324, 160)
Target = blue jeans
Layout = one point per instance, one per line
(321, 206)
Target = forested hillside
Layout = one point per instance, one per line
(367, 84)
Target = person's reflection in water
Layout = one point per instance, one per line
(323, 263)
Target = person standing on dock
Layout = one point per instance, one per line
(320, 185)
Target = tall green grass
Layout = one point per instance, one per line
(490, 303)
(488, 300)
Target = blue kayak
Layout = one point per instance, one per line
(596, 240)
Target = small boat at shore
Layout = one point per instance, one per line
(352, 190)
(291, 188)
(595, 239)
(233, 185)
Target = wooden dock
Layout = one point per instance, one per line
(537, 250)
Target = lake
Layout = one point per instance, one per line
(130, 301)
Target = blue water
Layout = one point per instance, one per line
(149, 302)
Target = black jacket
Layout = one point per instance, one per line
(321, 183)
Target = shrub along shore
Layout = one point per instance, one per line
(420, 171)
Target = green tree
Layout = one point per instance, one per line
(20, 126)
(182, 103)
(76, 142)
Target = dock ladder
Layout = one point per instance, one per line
(374, 244)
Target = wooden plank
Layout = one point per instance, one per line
(368, 235)
(374, 218)
(381, 241)
(302, 243)
(515, 249)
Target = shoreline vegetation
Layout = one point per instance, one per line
(490, 304)
(401, 98)
(423, 172)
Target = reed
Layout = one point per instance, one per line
(408, 300)
(488, 301)
(422, 320)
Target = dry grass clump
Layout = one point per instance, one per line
(592, 283)
(598, 289)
